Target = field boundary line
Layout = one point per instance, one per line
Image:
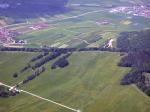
(139, 91)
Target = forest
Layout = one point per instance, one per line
(138, 58)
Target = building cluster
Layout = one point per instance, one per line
(39, 26)
(103, 22)
(137, 10)
(8, 37)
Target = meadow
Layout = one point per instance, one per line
(91, 83)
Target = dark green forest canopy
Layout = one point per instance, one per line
(137, 44)
(136, 40)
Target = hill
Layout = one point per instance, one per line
(33, 3)
(24, 9)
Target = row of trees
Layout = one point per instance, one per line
(50, 57)
(39, 56)
(34, 75)
(49, 49)
(20, 49)
(99, 49)
(43, 60)
(25, 68)
(15, 75)
(61, 62)
(62, 50)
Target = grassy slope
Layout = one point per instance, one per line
(90, 83)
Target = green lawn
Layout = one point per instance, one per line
(90, 83)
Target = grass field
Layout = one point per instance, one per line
(79, 20)
(83, 21)
(90, 83)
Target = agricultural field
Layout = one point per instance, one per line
(107, 70)
(63, 29)
(86, 85)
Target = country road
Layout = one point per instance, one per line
(42, 98)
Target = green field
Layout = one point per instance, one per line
(91, 83)
(68, 29)
(78, 22)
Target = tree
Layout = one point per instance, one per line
(15, 75)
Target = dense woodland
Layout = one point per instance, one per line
(133, 41)
(137, 44)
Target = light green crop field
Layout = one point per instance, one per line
(91, 83)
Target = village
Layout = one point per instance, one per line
(8, 36)
(136, 10)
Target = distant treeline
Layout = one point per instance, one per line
(62, 50)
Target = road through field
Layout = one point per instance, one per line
(57, 20)
(42, 98)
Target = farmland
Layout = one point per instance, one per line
(86, 84)
(85, 58)
(67, 29)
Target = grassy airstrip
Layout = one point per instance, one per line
(91, 83)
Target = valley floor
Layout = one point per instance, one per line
(91, 83)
